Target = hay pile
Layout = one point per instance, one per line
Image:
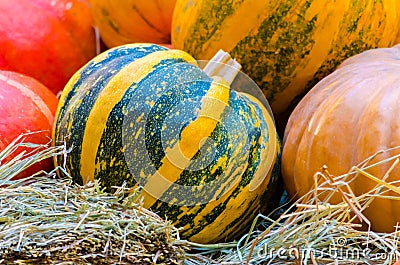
(46, 220)
(312, 231)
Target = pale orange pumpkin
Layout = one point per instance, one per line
(347, 117)
(128, 21)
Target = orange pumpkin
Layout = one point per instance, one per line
(25, 106)
(128, 21)
(347, 117)
(48, 40)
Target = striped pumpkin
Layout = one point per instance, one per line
(285, 46)
(205, 155)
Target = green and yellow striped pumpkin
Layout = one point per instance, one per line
(206, 156)
(286, 46)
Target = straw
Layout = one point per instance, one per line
(314, 231)
(46, 220)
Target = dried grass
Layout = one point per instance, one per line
(313, 231)
(47, 220)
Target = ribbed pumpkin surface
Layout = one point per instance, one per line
(346, 118)
(132, 21)
(285, 46)
(207, 156)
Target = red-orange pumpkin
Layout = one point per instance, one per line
(48, 40)
(26, 105)
(128, 21)
(344, 119)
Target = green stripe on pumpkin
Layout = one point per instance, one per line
(131, 108)
(285, 46)
(132, 74)
(80, 103)
(200, 216)
(78, 97)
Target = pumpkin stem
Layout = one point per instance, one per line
(223, 65)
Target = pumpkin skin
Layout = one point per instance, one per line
(91, 117)
(285, 46)
(25, 106)
(398, 37)
(129, 21)
(346, 118)
(47, 40)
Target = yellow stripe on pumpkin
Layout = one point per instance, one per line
(98, 59)
(320, 49)
(240, 204)
(392, 10)
(235, 28)
(76, 98)
(109, 97)
(257, 185)
(192, 138)
(268, 154)
(187, 12)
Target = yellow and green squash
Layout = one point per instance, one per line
(286, 46)
(206, 156)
